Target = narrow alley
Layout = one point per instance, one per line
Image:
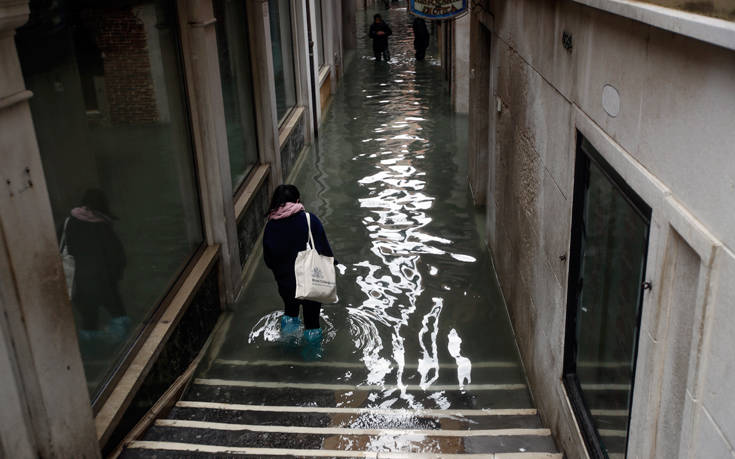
(419, 354)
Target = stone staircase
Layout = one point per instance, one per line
(267, 409)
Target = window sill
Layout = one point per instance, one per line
(128, 384)
(711, 30)
(288, 125)
(249, 189)
(323, 74)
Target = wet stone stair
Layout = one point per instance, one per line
(265, 409)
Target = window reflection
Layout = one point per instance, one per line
(237, 87)
(283, 58)
(111, 124)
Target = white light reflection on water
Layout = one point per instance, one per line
(464, 366)
(397, 216)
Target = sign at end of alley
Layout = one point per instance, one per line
(437, 9)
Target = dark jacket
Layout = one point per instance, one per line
(99, 261)
(380, 42)
(283, 239)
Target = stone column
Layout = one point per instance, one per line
(199, 43)
(264, 89)
(43, 392)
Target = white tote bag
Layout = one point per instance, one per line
(67, 259)
(315, 276)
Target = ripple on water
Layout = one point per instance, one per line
(419, 303)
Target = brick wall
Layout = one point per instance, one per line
(123, 41)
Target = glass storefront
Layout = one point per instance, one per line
(111, 120)
(237, 87)
(606, 284)
(283, 58)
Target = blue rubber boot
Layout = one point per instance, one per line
(312, 344)
(290, 328)
(118, 328)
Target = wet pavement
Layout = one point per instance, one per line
(419, 355)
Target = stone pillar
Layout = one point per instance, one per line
(461, 63)
(43, 393)
(264, 89)
(199, 43)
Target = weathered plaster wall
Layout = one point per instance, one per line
(461, 71)
(672, 142)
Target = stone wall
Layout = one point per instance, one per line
(186, 341)
(291, 149)
(252, 222)
(671, 141)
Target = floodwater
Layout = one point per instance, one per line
(420, 323)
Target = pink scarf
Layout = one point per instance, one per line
(86, 214)
(286, 210)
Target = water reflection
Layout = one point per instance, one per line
(421, 324)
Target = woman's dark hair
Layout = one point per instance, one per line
(282, 195)
(377, 16)
(95, 199)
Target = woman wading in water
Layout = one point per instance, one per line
(285, 235)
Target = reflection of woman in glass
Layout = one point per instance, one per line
(99, 261)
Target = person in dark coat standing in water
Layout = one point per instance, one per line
(420, 38)
(99, 263)
(285, 235)
(379, 32)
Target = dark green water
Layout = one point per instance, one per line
(420, 316)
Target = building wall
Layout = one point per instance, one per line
(672, 143)
(42, 382)
(461, 70)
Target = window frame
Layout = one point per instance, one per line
(238, 188)
(127, 355)
(570, 380)
(281, 122)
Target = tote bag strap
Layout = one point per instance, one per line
(62, 243)
(311, 238)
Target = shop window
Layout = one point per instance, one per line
(606, 284)
(111, 122)
(283, 56)
(237, 87)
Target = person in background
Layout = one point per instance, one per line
(420, 38)
(285, 235)
(379, 33)
(99, 262)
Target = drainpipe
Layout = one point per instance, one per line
(313, 73)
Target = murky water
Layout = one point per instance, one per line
(420, 323)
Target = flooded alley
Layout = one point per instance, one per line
(418, 354)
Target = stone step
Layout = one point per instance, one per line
(371, 418)
(500, 372)
(350, 439)
(361, 396)
(161, 450)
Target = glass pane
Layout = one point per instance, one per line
(112, 127)
(283, 64)
(237, 87)
(319, 32)
(614, 247)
